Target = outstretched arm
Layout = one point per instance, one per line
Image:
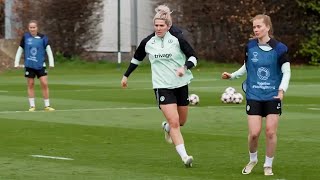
(235, 75)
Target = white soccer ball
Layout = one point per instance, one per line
(230, 90)
(237, 98)
(194, 99)
(226, 98)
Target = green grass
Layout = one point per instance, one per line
(114, 133)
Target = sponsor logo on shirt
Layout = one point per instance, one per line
(254, 59)
(263, 73)
(162, 55)
(29, 41)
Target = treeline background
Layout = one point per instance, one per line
(218, 30)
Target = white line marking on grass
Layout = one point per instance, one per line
(144, 108)
(52, 157)
(316, 109)
(70, 110)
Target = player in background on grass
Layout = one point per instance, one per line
(35, 47)
(268, 75)
(171, 58)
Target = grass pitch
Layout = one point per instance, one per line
(113, 133)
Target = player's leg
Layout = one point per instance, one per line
(183, 114)
(162, 97)
(30, 84)
(182, 94)
(254, 112)
(272, 119)
(30, 75)
(254, 126)
(271, 142)
(172, 116)
(45, 89)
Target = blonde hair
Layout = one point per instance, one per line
(266, 21)
(163, 13)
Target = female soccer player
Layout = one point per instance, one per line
(35, 47)
(268, 74)
(171, 58)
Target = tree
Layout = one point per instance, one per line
(311, 46)
(1, 19)
(219, 30)
(72, 25)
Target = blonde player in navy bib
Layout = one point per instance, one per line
(268, 73)
(35, 47)
(171, 59)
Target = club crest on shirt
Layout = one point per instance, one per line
(162, 98)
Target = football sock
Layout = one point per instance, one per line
(46, 102)
(181, 150)
(253, 156)
(268, 162)
(31, 102)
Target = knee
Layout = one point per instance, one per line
(254, 135)
(45, 85)
(270, 134)
(30, 85)
(174, 125)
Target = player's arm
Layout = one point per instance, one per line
(18, 57)
(50, 56)
(240, 72)
(286, 72)
(138, 57)
(235, 75)
(191, 56)
(19, 53)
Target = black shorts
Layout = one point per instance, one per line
(177, 96)
(32, 73)
(263, 108)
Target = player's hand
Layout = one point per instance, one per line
(124, 82)
(181, 71)
(225, 75)
(17, 66)
(280, 95)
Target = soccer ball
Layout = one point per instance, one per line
(237, 98)
(230, 90)
(194, 99)
(226, 98)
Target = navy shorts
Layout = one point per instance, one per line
(32, 73)
(177, 96)
(263, 108)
